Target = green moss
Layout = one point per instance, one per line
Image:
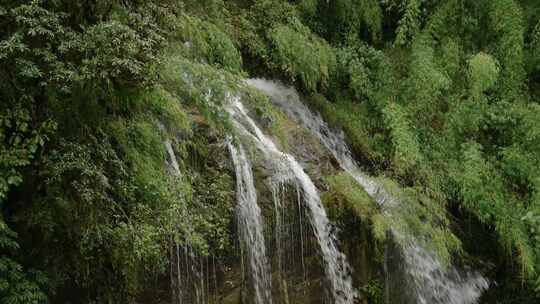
(346, 191)
(272, 119)
(139, 139)
(411, 216)
(345, 195)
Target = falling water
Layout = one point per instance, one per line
(430, 280)
(288, 169)
(189, 278)
(172, 163)
(250, 225)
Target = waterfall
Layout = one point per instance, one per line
(429, 280)
(250, 225)
(288, 169)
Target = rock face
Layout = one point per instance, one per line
(298, 270)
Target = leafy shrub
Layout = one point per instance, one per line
(409, 24)
(506, 20)
(348, 17)
(302, 55)
(407, 153)
(483, 73)
(362, 70)
(482, 191)
(208, 42)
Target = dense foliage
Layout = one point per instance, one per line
(442, 97)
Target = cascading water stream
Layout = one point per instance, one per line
(431, 281)
(288, 100)
(288, 169)
(172, 163)
(189, 276)
(250, 225)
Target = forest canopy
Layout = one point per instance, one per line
(442, 97)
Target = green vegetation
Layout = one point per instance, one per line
(301, 54)
(439, 97)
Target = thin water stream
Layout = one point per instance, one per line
(250, 225)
